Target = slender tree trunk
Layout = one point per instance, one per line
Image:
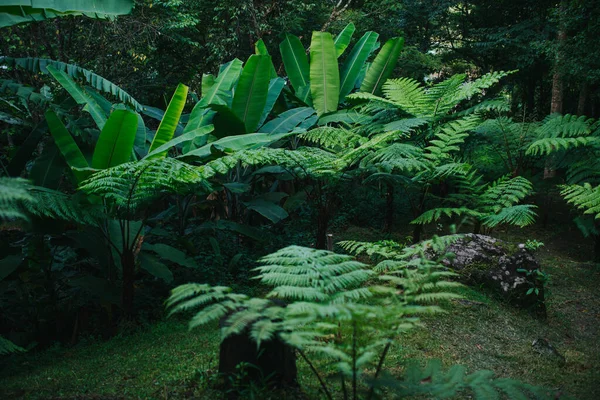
(583, 95)
(417, 233)
(128, 266)
(322, 226)
(556, 102)
(389, 208)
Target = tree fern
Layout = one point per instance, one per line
(333, 138)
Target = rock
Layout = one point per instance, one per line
(494, 264)
(544, 348)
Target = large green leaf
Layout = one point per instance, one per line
(383, 66)
(343, 39)
(251, 91)
(261, 49)
(25, 150)
(288, 120)
(79, 95)
(67, 146)
(228, 75)
(275, 87)
(190, 135)
(9, 264)
(353, 65)
(295, 62)
(170, 120)
(170, 253)
(14, 12)
(48, 167)
(96, 81)
(236, 143)
(324, 74)
(115, 143)
(155, 267)
(226, 122)
(267, 209)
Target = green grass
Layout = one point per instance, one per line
(166, 361)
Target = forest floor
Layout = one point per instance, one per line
(165, 361)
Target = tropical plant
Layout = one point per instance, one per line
(573, 143)
(14, 12)
(321, 83)
(327, 295)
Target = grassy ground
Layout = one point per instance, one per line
(165, 361)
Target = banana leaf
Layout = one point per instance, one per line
(324, 74)
(353, 65)
(13, 12)
(36, 65)
(79, 95)
(48, 168)
(236, 143)
(67, 146)
(228, 75)
(275, 87)
(115, 143)
(261, 49)
(288, 120)
(383, 66)
(296, 64)
(168, 125)
(343, 39)
(190, 135)
(251, 91)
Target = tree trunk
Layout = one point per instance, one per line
(128, 266)
(556, 102)
(389, 208)
(583, 95)
(417, 233)
(322, 226)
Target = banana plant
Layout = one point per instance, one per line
(323, 84)
(13, 12)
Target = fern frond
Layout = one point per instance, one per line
(584, 197)
(14, 194)
(335, 139)
(432, 380)
(437, 213)
(305, 274)
(520, 215)
(505, 192)
(549, 145)
(8, 347)
(407, 94)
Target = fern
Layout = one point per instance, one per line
(8, 347)
(432, 380)
(549, 145)
(520, 215)
(437, 213)
(584, 197)
(14, 193)
(333, 138)
(300, 273)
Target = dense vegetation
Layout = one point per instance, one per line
(288, 175)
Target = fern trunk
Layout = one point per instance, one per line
(128, 266)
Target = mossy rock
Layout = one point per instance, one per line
(507, 269)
